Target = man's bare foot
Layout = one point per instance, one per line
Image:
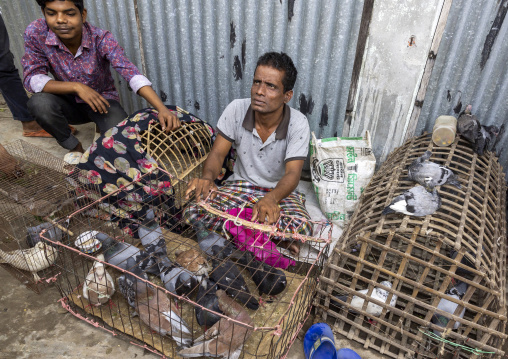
(78, 148)
(292, 246)
(31, 126)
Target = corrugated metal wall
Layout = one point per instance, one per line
(202, 54)
(471, 67)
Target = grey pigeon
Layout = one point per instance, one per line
(225, 338)
(153, 241)
(487, 139)
(174, 275)
(268, 279)
(207, 297)
(468, 125)
(117, 253)
(127, 283)
(377, 293)
(228, 277)
(416, 201)
(207, 239)
(33, 233)
(457, 292)
(430, 174)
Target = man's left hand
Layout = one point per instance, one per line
(266, 210)
(168, 120)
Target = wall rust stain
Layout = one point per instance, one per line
(232, 34)
(306, 106)
(494, 30)
(237, 69)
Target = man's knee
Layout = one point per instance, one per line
(42, 105)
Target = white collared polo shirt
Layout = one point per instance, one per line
(263, 164)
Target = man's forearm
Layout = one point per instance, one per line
(285, 186)
(61, 87)
(212, 167)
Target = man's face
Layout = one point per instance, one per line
(65, 20)
(267, 93)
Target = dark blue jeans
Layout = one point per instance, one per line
(10, 82)
(55, 113)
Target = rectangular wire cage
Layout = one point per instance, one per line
(34, 199)
(145, 256)
(420, 262)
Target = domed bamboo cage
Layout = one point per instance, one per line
(180, 152)
(415, 255)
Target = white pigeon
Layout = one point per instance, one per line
(33, 259)
(99, 286)
(378, 294)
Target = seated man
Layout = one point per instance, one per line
(79, 56)
(271, 141)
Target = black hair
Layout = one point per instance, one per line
(79, 4)
(280, 61)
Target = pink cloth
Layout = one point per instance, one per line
(256, 241)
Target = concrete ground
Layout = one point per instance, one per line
(36, 325)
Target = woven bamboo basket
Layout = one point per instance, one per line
(415, 255)
(181, 152)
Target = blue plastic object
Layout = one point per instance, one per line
(346, 353)
(319, 342)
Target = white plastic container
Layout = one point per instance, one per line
(87, 242)
(444, 131)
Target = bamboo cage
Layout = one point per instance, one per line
(39, 195)
(464, 241)
(274, 325)
(180, 152)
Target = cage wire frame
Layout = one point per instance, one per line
(180, 152)
(271, 336)
(41, 194)
(415, 255)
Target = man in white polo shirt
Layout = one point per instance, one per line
(271, 142)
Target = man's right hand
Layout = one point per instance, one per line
(201, 187)
(92, 98)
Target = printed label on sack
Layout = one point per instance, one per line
(330, 170)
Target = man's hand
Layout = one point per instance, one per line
(201, 187)
(168, 120)
(92, 98)
(266, 210)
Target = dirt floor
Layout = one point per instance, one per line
(36, 326)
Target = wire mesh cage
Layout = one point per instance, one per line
(29, 202)
(424, 287)
(178, 288)
(180, 152)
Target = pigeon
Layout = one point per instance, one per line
(430, 174)
(416, 201)
(457, 292)
(225, 338)
(207, 239)
(468, 125)
(158, 251)
(207, 297)
(33, 233)
(487, 139)
(268, 279)
(117, 253)
(33, 259)
(228, 277)
(127, 282)
(152, 239)
(99, 286)
(185, 284)
(193, 261)
(155, 309)
(175, 275)
(372, 308)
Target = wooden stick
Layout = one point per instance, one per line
(59, 226)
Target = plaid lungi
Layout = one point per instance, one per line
(234, 194)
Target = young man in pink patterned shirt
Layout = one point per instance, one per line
(78, 55)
